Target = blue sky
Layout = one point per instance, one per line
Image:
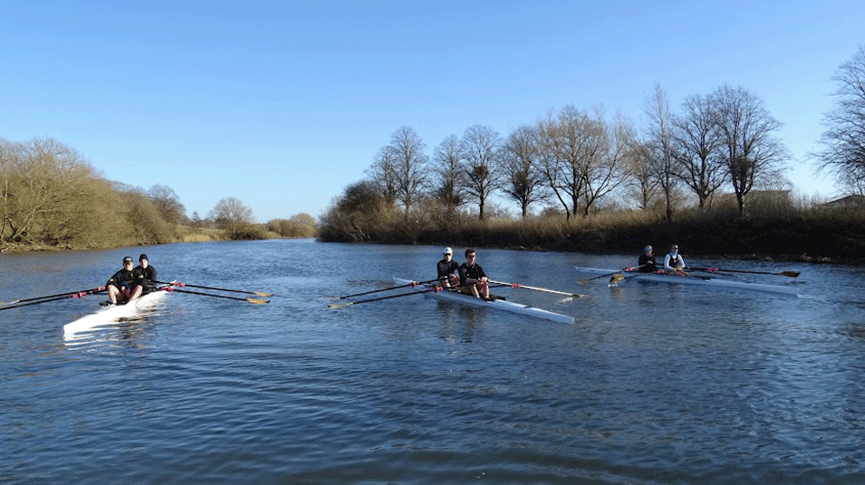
(283, 104)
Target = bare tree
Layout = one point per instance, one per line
(409, 162)
(658, 146)
(167, 203)
(607, 148)
(642, 183)
(478, 151)
(383, 173)
(10, 155)
(519, 159)
(698, 145)
(750, 152)
(844, 138)
(566, 143)
(231, 215)
(561, 179)
(449, 178)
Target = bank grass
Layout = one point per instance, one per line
(772, 232)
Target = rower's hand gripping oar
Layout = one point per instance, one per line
(175, 283)
(789, 274)
(257, 301)
(547, 290)
(434, 289)
(410, 285)
(44, 299)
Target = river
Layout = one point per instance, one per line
(652, 384)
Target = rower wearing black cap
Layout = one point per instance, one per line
(145, 274)
(122, 287)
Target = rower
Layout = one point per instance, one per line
(673, 261)
(121, 287)
(446, 268)
(145, 275)
(473, 280)
(646, 261)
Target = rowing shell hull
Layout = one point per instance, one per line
(694, 280)
(113, 313)
(509, 306)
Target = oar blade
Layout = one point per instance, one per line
(340, 305)
(616, 278)
(257, 301)
(259, 293)
(790, 274)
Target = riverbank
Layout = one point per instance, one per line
(816, 235)
(181, 234)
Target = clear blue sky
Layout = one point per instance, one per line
(282, 104)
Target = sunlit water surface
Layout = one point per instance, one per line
(653, 384)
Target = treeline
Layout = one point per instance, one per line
(710, 173)
(778, 227)
(52, 198)
(574, 162)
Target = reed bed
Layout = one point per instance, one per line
(790, 232)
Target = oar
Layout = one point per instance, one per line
(789, 274)
(70, 294)
(257, 301)
(341, 305)
(175, 283)
(410, 285)
(615, 275)
(44, 299)
(557, 292)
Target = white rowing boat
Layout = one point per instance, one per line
(512, 307)
(112, 313)
(710, 281)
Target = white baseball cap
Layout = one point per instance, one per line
(448, 251)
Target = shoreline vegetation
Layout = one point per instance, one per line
(818, 233)
(51, 198)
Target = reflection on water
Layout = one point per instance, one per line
(652, 384)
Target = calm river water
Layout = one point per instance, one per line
(653, 384)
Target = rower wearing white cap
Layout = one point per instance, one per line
(673, 261)
(447, 269)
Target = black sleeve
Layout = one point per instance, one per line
(112, 280)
